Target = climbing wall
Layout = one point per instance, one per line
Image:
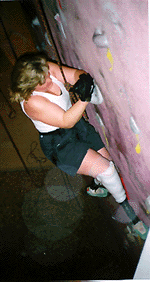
(109, 39)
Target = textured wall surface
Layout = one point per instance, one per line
(109, 39)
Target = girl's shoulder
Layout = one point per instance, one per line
(71, 74)
(54, 69)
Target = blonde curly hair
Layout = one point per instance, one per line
(29, 71)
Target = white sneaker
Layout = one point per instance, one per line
(99, 192)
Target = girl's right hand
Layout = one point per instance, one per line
(84, 87)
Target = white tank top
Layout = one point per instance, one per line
(63, 101)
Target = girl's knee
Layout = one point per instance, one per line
(93, 164)
(104, 152)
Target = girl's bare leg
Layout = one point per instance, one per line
(103, 151)
(94, 163)
(103, 170)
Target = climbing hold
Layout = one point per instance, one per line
(100, 39)
(138, 147)
(103, 128)
(110, 58)
(136, 130)
(133, 126)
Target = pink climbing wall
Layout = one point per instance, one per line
(109, 39)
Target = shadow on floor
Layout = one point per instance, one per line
(96, 248)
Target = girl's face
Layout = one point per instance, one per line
(46, 86)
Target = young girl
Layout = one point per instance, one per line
(66, 139)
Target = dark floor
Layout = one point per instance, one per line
(97, 247)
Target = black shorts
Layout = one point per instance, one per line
(66, 148)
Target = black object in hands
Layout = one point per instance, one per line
(84, 87)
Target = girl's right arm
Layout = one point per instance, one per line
(40, 108)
